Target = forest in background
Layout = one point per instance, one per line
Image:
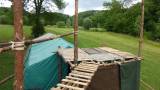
(116, 18)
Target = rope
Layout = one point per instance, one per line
(76, 32)
(17, 45)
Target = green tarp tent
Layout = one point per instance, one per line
(41, 65)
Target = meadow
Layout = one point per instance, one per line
(151, 51)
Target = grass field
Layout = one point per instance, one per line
(149, 69)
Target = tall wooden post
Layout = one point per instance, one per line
(76, 33)
(141, 30)
(18, 37)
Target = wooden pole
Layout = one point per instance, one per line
(141, 30)
(18, 37)
(76, 33)
(6, 79)
(7, 46)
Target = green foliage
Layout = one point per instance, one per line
(127, 20)
(37, 29)
(60, 24)
(52, 18)
(6, 15)
(87, 23)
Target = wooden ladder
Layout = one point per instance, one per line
(79, 78)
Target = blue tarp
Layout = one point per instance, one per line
(41, 65)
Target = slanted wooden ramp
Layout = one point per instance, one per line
(79, 78)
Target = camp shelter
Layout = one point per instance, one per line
(42, 64)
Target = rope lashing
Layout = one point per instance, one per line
(17, 45)
(76, 32)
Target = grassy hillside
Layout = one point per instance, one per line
(150, 73)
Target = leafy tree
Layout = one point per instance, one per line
(87, 23)
(39, 7)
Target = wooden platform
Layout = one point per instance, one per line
(100, 54)
(94, 62)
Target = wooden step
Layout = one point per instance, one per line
(75, 82)
(69, 87)
(84, 70)
(80, 76)
(77, 79)
(82, 73)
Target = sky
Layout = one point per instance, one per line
(84, 5)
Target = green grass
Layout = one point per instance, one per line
(7, 58)
(149, 72)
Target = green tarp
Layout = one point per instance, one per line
(41, 65)
(130, 75)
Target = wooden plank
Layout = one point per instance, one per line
(80, 66)
(91, 71)
(89, 64)
(78, 79)
(74, 82)
(86, 68)
(117, 52)
(69, 87)
(82, 73)
(80, 76)
(68, 54)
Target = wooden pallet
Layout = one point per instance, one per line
(125, 55)
(79, 78)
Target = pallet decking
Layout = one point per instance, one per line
(79, 78)
(97, 54)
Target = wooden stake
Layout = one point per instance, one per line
(18, 36)
(6, 79)
(141, 30)
(76, 33)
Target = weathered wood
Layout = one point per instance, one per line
(69, 87)
(141, 36)
(6, 79)
(82, 73)
(91, 71)
(78, 79)
(18, 37)
(68, 54)
(76, 33)
(125, 55)
(80, 76)
(87, 69)
(75, 82)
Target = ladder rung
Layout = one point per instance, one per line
(74, 82)
(83, 70)
(78, 79)
(89, 67)
(69, 87)
(82, 73)
(86, 68)
(81, 76)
